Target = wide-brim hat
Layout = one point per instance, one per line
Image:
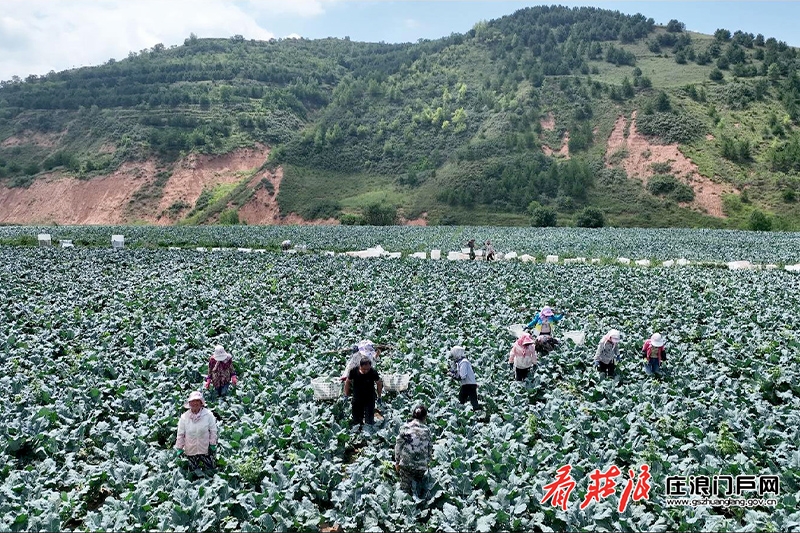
(547, 311)
(657, 340)
(195, 395)
(220, 354)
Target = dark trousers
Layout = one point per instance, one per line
(469, 392)
(522, 373)
(607, 368)
(201, 462)
(363, 408)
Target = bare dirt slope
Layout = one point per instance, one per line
(197, 172)
(641, 154)
(55, 198)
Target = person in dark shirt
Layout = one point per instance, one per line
(361, 382)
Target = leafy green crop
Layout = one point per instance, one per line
(102, 347)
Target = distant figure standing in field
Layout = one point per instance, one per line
(221, 374)
(361, 382)
(471, 246)
(197, 434)
(489, 251)
(654, 354)
(462, 371)
(285, 245)
(523, 357)
(413, 450)
(607, 354)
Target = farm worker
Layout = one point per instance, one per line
(654, 353)
(471, 246)
(608, 353)
(364, 348)
(197, 433)
(523, 357)
(361, 382)
(221, 373)
(546, 344)
(462, 371)
(489, 251)
(413, 450)
(285, 245)
(543, 321)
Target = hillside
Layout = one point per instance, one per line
(544, 112)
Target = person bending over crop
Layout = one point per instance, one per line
(654, 354)
(197, 433)
(471, 246)
(523, 357)
(413, 451)
(462, 371)
(608, 353)
(221, 373)
(543, 321)
(358, 352)
(361, 382)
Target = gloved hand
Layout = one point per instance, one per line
(212, 448)
(207, 383)
(597, 364)
(619, 358)
(234, 380)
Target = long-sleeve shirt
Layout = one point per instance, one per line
(196, 432)
(414, 447)
(541, 320)
(220, 372)
(651, 352)
(523, 356)
(464, 373)
(607, 352)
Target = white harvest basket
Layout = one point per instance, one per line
(326, 388)
(396, 382)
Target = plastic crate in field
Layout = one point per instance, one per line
(396, 382)
(326, 388)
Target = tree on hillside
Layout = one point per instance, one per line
(675, 26)
(759, 221)
(543, 217)
(722, 35)
(590, 217)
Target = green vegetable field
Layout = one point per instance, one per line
(100, 349)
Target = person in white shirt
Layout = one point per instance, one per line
(461, 370)
(197, 434)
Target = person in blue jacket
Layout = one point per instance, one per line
(544, 320)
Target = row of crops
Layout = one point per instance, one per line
(102, 347)
(656, 244)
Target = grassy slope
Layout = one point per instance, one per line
(496, 109)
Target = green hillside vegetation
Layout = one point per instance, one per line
(451, 128)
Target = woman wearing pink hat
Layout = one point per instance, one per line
(654, 354)
(197, 433)
(523, 357)
(221, 374)
(544, 320)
